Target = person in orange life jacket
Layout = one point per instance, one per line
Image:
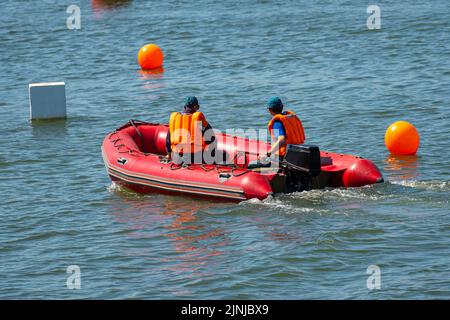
(284, 127)
(183, 126)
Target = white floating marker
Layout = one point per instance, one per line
(47, 100)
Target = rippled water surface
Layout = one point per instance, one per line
(347, 83)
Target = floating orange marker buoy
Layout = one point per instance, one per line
(402, 138)
(150, 56)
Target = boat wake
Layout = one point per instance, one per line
(432, 185)
(284, 204)
(333, 200)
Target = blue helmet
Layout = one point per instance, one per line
(275, 104)
(190, 102)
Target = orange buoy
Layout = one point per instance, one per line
(402, 138)
(150, 56)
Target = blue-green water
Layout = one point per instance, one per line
(58, 207)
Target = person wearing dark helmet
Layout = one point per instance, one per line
(284, 128)
(187, 132)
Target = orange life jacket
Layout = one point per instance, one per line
(186, 132)
(295, 133)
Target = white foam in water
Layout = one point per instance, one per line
(284, 203)
(113, 187)
(427, 185)
(362, 193)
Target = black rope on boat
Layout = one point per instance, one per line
(239, 174)
(132, 122)
(135, 124)
(174, 166)
(203, 167)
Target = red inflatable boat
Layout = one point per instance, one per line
(134, 156)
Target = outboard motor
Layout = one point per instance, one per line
(301, 163)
